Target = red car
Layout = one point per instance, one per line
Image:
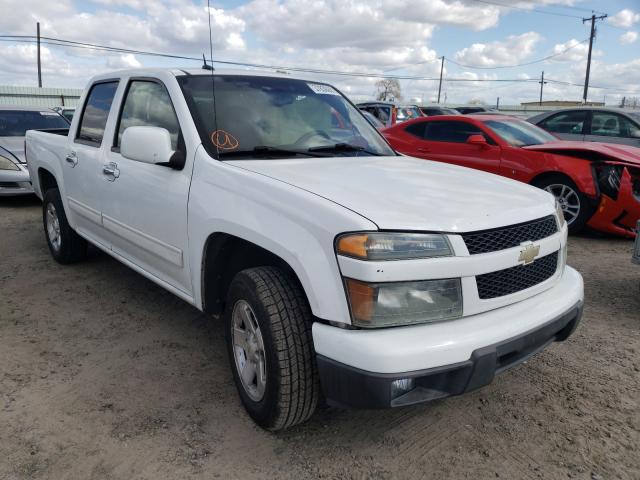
(596, 184)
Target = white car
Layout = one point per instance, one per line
(14, 122)
(338, 265)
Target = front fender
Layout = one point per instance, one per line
(296, 225)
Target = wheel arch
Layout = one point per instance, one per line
(46, 180)
(585, 184)
(223, 256)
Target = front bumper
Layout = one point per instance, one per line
(618, 216)
(15, 182)
(358, 368)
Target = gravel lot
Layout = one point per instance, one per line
(105, 375)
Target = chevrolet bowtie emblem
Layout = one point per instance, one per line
(529, 253)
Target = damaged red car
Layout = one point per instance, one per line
(597, 185)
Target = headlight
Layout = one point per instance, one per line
(560, 216)
(6, 164)
(403, 303)
(393, 246)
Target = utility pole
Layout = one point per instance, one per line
(39, 69)
(440, 84)
(541, 82)
(593, 34)
(498, 103)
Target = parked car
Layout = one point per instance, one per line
(389, 113)
(66, 112)
(610, 125)
(373, 120)
(408, 112)
(597, 184)
(337, 265)
(466, 110)
(14, 122)
(432, 110)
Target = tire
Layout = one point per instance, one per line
(65, 245)
(576, 205)
(279, 313)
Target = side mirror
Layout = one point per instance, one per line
(147, 144)
(477, 140)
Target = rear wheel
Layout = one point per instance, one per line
(268, 331)
(575, 204)
(65, 245)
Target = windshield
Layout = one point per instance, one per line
(519, 133)
(634, 115)
(407, 113)
(15, 123)
(277, 117)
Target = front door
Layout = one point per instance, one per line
(145, 205)
(446, 141)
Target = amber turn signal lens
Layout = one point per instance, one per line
(361, 299)
(353, 245)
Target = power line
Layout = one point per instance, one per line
(532, 62)
(82, 45)
(535, 10)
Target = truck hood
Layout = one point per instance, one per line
(13, 145)
(591, 151)
(404, 193)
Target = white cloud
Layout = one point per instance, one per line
(511, 51)
(123, 61)
(627, 38)
(624, 18)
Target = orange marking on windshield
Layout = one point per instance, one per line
(224, 140)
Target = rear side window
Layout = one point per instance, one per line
(416, 129)
(95, 113)
(454, 132)
(148, 104)
(566, 122)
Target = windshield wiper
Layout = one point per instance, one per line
(264, 150)
(342, 147)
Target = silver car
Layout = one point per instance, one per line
(14, 122)
(592, 124)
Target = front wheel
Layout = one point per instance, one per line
(65, 245)
(268, 331)
(574, 204)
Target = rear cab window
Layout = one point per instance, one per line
(95, 113)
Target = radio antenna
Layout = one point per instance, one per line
(213, 81)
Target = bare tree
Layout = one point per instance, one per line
(388, 89)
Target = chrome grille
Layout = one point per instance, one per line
(507, 237)
(514, 279)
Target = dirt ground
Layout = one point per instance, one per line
(104, 375)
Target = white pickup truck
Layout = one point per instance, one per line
(341, 269)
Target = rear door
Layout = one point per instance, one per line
(611, 127)
(145, 205)
(83, 160)
(567, 125)
(446, 141)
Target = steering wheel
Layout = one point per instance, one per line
(309, 135)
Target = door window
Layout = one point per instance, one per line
(612, 125)
(416, 129)
(453, 132)
(148, 104)
(566, 122)
(95, 113)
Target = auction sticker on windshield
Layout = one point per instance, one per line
(322, 89)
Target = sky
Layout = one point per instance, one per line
(481, 40)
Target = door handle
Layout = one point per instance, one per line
(111, 171)
(72, 159)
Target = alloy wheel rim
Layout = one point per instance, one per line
(248, 350)
(53, 227)
(568, 199)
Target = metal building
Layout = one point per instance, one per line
(42, 97)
